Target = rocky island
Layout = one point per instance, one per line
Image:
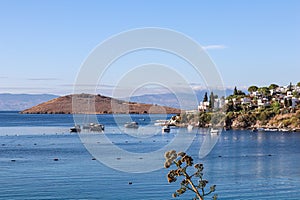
(96, 104)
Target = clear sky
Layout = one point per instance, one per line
(43, 43)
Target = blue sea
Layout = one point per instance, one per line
(41, 159)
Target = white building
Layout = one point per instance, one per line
(203, 106)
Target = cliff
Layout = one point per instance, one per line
(96, 104)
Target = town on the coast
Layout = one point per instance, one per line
(272, 108)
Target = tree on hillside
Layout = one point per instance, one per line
(273, 86)
(298, 84)
(235, 92)
(252, 88)
(290, 87)
(205, 99)
(285, 102)
(264, 91)
(240, 92)
(211, 100)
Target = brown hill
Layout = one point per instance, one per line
(96, 104)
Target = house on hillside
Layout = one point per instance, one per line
(203, 106)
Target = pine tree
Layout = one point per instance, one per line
(211, 100)
(235, 92)
(205, 99)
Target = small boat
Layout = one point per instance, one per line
(165, 129)
(93, 127)
(190, 127)
(260, 129)
(97, 127)
(284, 130)
(87, 126)
(271, 129)
(161, 122)
(131, 125)
(214, 131)
(75, 129)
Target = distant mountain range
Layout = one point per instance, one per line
(18, 102)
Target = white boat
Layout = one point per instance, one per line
(97, 127)
(190, 127)
(93, 127)
(260, 129)
(284, 130)
(271, 129)
(131, 125)
(214, 131)
(161, 122)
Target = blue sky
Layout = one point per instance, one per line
(43, 43)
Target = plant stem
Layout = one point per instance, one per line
(194, 188)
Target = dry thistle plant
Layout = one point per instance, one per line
(182, 162)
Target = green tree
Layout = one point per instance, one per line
(205, 99)
(252, 88)
(290, 87)
(264, 91)
(204, 118)
(276, 107)
(290, 102)
(285, 103)
(298, 84)
(211, 100)
(229, 107)
(273, 86)
(235, 92)
(296, 94)
(240, 92)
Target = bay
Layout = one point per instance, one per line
(243, 164)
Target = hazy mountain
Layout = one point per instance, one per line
(172, 100)
(19, 102)
(24, 101)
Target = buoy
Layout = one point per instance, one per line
(130, 183)
(55, 159)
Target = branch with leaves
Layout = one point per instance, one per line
(182, 161)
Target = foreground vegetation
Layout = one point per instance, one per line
(182, 161)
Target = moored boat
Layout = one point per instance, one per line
(131, 125)
(75, 129)
(165, 129)
(214, 131)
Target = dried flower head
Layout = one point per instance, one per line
(181, 171)
(181, 154)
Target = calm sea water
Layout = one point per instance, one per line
(243, 164)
